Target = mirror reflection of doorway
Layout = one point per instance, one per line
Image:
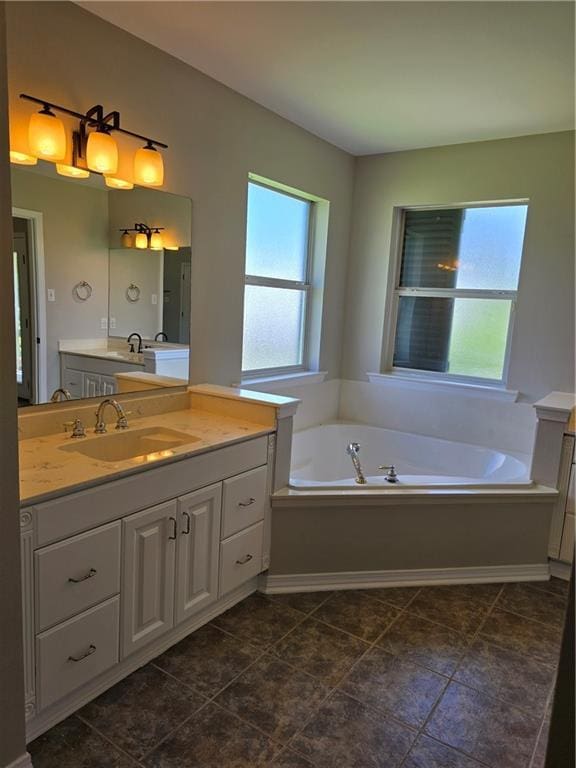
(24, 312)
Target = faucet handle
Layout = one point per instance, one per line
(78, 429)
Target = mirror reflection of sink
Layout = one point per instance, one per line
(147, 444)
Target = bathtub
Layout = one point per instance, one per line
(319, 460)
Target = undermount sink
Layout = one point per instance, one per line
(147, 444)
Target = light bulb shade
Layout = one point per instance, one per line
(47, 137)
(126, 240)
(102, 152)
(115, 183)
(21, 158)
(72, 171)
(148, 167)
(141, 240)
(156, 241)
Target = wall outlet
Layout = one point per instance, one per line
(51, 294)
(103, 323)
(154, 298)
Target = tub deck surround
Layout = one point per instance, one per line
(212, 419)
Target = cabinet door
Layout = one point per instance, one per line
(148, 585)
(567, 547)
(107, 385)
(90, 385)
(72, 380)
(198, 550)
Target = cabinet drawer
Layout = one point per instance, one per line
(77, 573)
(240, 557)
(75, 652)
(244, 501)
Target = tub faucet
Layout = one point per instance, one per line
(353, 450)
(121, 423)
(392, 476)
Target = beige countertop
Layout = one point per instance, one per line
(46, 471)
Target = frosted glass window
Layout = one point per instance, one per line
(471, 248)
(462, 337)
(457, 286)
(273, 332)
(277, 285)
(277, 234)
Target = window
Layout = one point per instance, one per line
(456, 289)
(277, 281)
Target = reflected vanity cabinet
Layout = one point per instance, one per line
(115, 574)
(91, 376)
(562, 527)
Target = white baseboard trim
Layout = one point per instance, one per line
(24, 761)
(560, 569)
(318, 582)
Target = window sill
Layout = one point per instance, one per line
(443, 385)
(283, 381)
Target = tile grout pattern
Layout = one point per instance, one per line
(361, 679)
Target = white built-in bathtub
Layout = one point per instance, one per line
(319, 460)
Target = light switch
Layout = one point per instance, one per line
(51, 294)
(112, 322)
(154, 298)
(103, 323)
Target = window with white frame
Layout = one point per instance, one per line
(277, 281)
(455, 290)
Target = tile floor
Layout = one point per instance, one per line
(432, 677)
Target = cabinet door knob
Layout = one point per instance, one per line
(92, 572)
(174, 528)
(246, 503)
(89, 652)
(244, 560)
(188, 523)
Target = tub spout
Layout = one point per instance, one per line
(353, 450)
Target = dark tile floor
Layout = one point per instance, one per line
(432, 677)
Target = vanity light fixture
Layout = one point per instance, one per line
(115, 183)
(146, 237)
(71, 171)
(21, 158)
(93, 146)
(148, 166)
(46, 135)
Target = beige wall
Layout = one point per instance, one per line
(215, 137)
(12, 742)
(540, 168)
(75, 224)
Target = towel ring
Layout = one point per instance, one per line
(82, 290)
(133, 293)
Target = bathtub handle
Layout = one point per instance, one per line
(247, 503)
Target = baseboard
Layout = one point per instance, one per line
(24, 761)
(560, 570)
(317, 582)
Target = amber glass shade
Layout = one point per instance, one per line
(47, 137)
(156, 241)
(102, 152)
(116, 183)
(21, 158)
(141, 240)
(148, 167)
(72, 171)
(126, 240)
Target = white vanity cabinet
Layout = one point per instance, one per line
(116, 573)
(85, 376)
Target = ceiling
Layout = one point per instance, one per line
(376, 77)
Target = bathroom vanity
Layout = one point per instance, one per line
(124, 553)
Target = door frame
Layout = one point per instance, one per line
(35, 221)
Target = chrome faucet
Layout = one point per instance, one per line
(392, 476)
(122, 421)
(60, 394)
(129, 341)
(353, 450)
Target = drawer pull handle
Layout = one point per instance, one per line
(244, 560)
(189, 523)
(174, 529)
(92, 572)
(89, 652)
(247, 503)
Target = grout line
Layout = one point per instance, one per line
(107, 739)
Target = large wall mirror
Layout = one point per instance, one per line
(102, 286)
